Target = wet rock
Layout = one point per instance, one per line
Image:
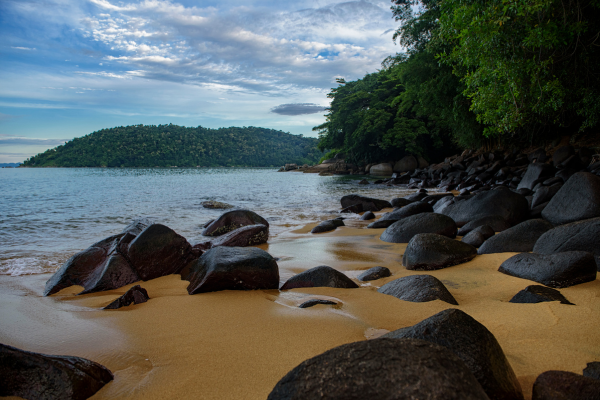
(233, 268)
(478, 235)
(496, 222)
(367, 216)
(368, 203)
(415, 208)
(430, 251)
(380, 369)
(407, 163)
(535, 174)
(135, 295)
(216, 205)
(474, 344)
(592, 370)
(39, 376)
(418, 289)
(314, 302)
(555, 270)
(327, 226)
(577, 199)
(356, 208)
(538, 294)
(250, 235)
(383, 169)
(400, 202)
(380, 223)
(563, 385)
(519, 238)
(231, 220)
(404, 230)
(322, 276)
(137, 226)
(374, 273)
(500, 201)
(363, 182)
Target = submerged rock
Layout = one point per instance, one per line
(404, 230)
(418, 289)
(538, 294)
(322, 276)
(430, 251)
(519, 238)
(474, 344)
(135, 295)
(368, 204)
(563, 385)
(232, 220)
(212, 204)
(40, 376)
(577, 199)
(314, 302)
(374, 273)
(380, 369)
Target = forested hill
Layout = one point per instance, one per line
(172, 145)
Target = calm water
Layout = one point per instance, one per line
(47, 215)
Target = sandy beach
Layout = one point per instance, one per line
(238, 344)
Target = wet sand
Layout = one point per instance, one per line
(237, 345)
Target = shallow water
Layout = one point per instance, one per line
(47, 215)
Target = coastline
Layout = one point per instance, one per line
(237, 344)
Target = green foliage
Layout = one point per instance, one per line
(329, 155)
(172, 145)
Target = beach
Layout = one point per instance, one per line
(238, 344)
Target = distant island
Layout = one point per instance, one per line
(9, 165)
(173, 145)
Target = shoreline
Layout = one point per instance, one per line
(238, 344)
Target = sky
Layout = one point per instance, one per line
(72, 67)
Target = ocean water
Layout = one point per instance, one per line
(49, 214)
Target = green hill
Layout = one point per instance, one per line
(172, 145)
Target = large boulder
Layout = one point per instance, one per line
(563, 385)
(501, 201)
(418, 289)
(368, 204)
(322, 276)
(544, 194)
(561, 154)
(474, 344)
(400, 202)
(40, 376)
(519, 238)
(404, 230)
(430, 251)
(538, 294)
(383, 169)
(535, 174)
(233, 268)
(135, 295)
(478, 235)
(249, 235)
(415, 208)
(577, 199)
(407, 163)
(380, 369)
(496, 222)
(232, 220)
(374, 273)
(555, 270)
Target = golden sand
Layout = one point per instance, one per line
(237, 345)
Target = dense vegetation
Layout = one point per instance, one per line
(473, 72)
(172, 145)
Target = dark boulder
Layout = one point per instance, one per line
(500, 201)
(538, 156)
(496, 222)
(535, 174)
(40, 376)
(327, 226)
(418, 196)
(538, 294)
(374, 273)
(232, 220)
(400, 202)
(555, 270)
(430, 251)
(577, 199)
(563, 385)
(380, 369)
(519, 238)
(478, 235)
(367, 216)
(135, 295)
(544, 194)
(404, 230)
(474, 344)
(380, 223)
(415, 208)
(314, 302)
(322, 276)
(418, 289)
(249, 235)
(363, 182)
(561, 154)
(592, 370)
(368, 203)
(137, 226)
(355, 209)
(233, 268)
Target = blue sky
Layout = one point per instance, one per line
(70, 67)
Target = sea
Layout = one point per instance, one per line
(49, 214)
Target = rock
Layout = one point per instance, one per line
(233, 268)
(383, 169)
(216, 205)
(415, 208)
(538, 155)
(137, 226)
(404, 230)
(418, 196)
(314, 302)
(356, 208)
(400, 202)
(367, 216)
(232, 220)
(422, 162)
(368, 203)
(563, 385)
(500, 201)
(519, 238)
(322, 276)
(250, 235)
(538, 294)
(407, 163)
(380, 223)
(374, 273)
(478, 235)
(430, 251)
(380, 369)
(555, 270)
(577, 199)
(474, 344)
(496, 222)
(561, 154)
(544, 194)
(327, 226)
(363, 182)
(135, 295)
(592, 370)
(418, 289)
(39, 376)
(535, 174)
